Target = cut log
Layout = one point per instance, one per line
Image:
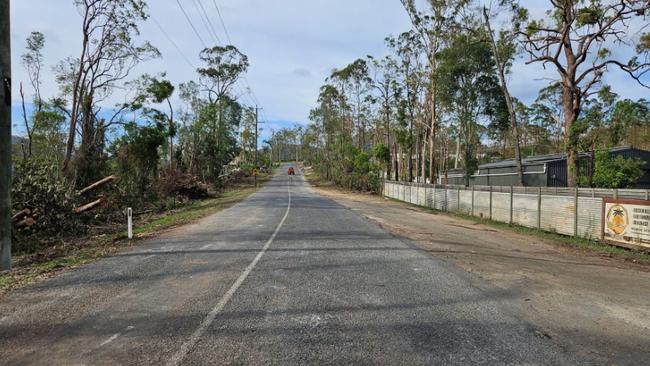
(99, 183)
(21, 215)
(88, 206)
(24, 223)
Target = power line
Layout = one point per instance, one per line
(191, 24)
(162, 30)
(207, 23)
(248, 90)
(225, 30)
(223, 24)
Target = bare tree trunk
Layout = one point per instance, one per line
(506, 93)
(396, 162)
(27, 153)
(571, 104)
(171, 137)
(457, 157)
(77, 92)
(432, 138)
(417, 155)
(423, 161)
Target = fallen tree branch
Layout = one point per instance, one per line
(99, 183)
(24, 223)
(88, 206)
(20, 215)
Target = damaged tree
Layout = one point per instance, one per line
(108, 53)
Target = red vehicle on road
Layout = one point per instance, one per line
(291, 171)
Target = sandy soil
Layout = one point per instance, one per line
(590, 304)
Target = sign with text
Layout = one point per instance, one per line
(626, 222)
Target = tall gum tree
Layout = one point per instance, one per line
(504, 50)
(108, 53)
(573, 39)
(432, 25)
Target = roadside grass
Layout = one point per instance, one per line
(29, 270)
(577, 243)
(317, 180)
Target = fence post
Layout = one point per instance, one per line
(433, 197)
(472, 200)
(512, 194)
(458, 200)
(615, 193)
(647, 193)
(446, 199)
(575, 215)
(490, 202)
(539, 208)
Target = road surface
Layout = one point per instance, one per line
(285, 277)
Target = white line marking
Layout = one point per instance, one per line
(115, 336)
(111, 339)
(198, 333)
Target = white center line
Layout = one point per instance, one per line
(198, 333)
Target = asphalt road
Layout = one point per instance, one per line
(285, 277)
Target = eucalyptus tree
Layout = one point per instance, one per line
(412, 76)
(574, 41)
(469, 91)
(384, 82)
(329, 117)
(434, 26)
(247, 135)
(109, 51)
(224, 66)
(356, 87)
(629, 123)
(32, 60)
(504, 50)
(219, 114)
(157, 90)
(548, 113)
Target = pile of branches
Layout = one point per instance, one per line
(176, 183)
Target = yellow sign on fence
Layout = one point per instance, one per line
(626, 222)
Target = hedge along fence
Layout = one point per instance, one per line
(567, 211)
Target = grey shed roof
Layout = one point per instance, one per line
(541, 159)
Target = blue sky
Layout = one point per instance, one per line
(292, 45)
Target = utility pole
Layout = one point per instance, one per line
(257, 162)
(5, 137)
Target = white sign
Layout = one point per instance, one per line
(627, 222)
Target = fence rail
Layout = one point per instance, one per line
(568, 211)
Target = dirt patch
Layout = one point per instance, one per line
(588, 302)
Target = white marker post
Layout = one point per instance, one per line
(129, 219)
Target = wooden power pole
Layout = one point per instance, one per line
(5, 137)
(257, 162)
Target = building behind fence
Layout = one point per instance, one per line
(542, 170)
(568, 211)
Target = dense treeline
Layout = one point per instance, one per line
(163, 142)
(440, 99)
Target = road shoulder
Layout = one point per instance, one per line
(47, 264)
(593, 305)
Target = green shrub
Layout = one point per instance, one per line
(616, 171)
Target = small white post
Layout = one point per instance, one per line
(129, 219)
